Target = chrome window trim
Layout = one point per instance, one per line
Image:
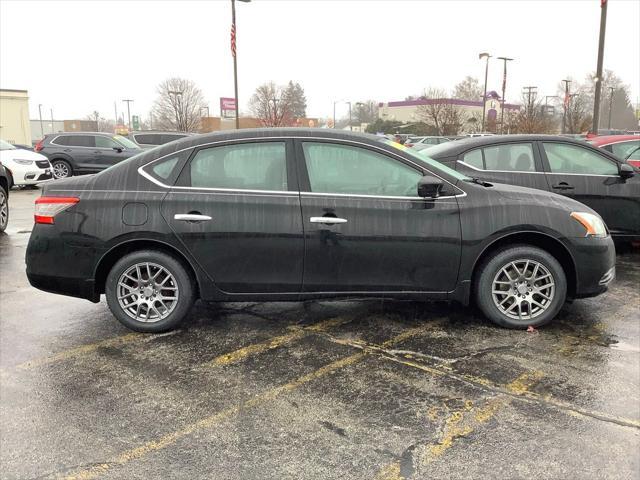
(497, 171)
(381, 197)
(146, 175)
(53, 142)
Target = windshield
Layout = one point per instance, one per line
(423, 158)
(126, 142)
(6, 145)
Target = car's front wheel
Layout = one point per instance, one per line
(149, 291)
(61, 169)
(520, 286)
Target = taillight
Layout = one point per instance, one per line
(635, 163)
(39, 146)
(49, 207)
(408, 144)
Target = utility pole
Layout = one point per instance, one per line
(128, 102)
(276, 122)
(334, 114)
(350, 126)
(504, 88)
(115, 108)
(598, 87)
(565, 104)
(611, 90)
(41, 127)
(484, 97)
(52, 126)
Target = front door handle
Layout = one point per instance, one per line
(328, 220)
(563, 186)
(191, 217)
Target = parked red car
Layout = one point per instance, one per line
(627, 147)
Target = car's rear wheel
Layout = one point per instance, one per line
(520, 286)
(4, 209)
(149, 291)
(61, 169)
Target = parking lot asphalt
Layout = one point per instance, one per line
(315, 390)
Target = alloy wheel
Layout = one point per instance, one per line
(4, 210)
(523, 289)
(60, 170)
(147, 292)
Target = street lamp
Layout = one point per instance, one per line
(41, 127)
(350, 127)
(504, 88)
(235, 60)
(128, 101)
(486, 74)
(611, 90)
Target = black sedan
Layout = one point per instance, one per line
(557, 164)
(292, 214)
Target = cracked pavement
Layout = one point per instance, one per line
(316, 390)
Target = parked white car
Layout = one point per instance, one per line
(23, 166)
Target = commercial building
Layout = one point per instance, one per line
(14, 116)
(408, 111)
(48, 126)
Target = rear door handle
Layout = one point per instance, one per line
(563, 186)
(191, 217)
(330, 220)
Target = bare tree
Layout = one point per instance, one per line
(447, 118)
(269, 104)
(102, 124)
(622, 114)
(468, 89)
(578, 114)
(365, 112)
(178, 105)
(293, 96)
(531, 117)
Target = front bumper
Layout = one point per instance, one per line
(595, 262)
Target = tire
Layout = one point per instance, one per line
(61, 169)
(519, 300)
(171, 280)
(10, 180)
(4, 209)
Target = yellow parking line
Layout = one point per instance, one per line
(271, 394)
(275, 342)
(81, 350)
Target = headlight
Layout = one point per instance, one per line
(592, 223)
(23, 162)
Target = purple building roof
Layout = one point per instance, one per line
(448, 101)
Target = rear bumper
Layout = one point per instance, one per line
(73, 287)
(595, 260)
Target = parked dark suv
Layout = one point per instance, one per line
(150, 139)
(293, 214)
(84, 152)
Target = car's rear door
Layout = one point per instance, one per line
(82, 148)
(366, 230)
(592, 178)
(514, 163)
(236, 208)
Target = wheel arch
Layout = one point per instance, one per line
(536, 239)
(109, 259)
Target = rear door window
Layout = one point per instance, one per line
(573, 159)
(81, 141)
(245, 166)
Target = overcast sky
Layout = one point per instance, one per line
(81, 56)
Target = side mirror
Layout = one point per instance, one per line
(626, 170)
(117, 149)
(429, 187)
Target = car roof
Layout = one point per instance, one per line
(170, 132)
(454, 148)
(80, 133)
(607, 139)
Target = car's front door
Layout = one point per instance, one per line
(108, 152)
(236, 208)
(366, 230)
(515, 163)
(592, 178)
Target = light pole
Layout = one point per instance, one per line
(41, 127)
(504, 88)
(350, 126)
(235, 57)
(598, 79)
(360, 106)
(611, 90)
(486, 74)
(52, 127)
(128, 102)
(565, 104)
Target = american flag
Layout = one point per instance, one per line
(233, 40)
